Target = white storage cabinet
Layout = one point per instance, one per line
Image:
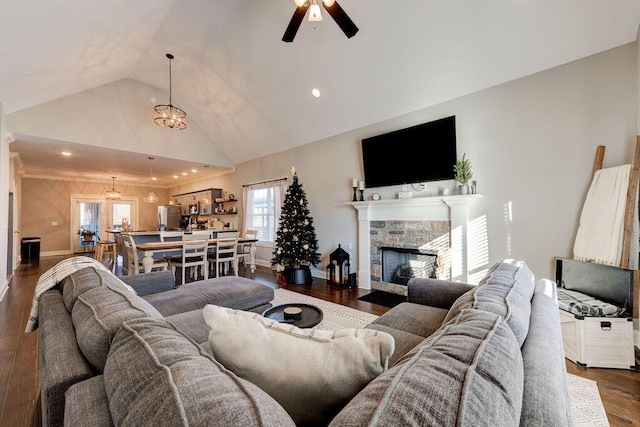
(598, 342)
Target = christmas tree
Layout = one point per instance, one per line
(296, 242)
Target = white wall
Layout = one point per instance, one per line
(531, 143)
(4, 197)
(119, 116)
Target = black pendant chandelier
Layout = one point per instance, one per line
(169, 116)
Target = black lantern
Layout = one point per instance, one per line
(338, 268)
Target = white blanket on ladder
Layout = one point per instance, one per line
(601, 229)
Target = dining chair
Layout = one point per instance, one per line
(194, 255)
(220, 235)
(171, 236)
(135, 263)
(244, 249)
(225, 257)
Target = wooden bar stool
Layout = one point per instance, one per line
(105, 247)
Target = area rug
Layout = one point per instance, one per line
(334, 316)
(383, 298)
(586, 406)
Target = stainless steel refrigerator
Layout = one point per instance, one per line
(168, 217)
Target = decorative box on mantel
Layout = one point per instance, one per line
(437, 225)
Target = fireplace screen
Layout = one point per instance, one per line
(401, 264)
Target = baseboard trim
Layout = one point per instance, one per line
(4, 289)
(56, 253)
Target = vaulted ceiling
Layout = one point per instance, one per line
(250, 93)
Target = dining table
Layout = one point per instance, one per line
(151, 248)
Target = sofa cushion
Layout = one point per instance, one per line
(229, 291)
(546, 401)
(409, 324)
(469, 370)
(311, 373)
(155, 376)
(61, 361)
(191, 324)
(506, 290)
(403, 341)
(88, 278)
(86, 403)
(97, 316)
(416, 319)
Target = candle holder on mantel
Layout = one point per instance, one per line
(355, 194)
(362, 195)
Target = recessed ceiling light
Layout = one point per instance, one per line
(194, 170)
(176, 176)
(65, 153)
(184, 174)
(315, 92)
(153, 178)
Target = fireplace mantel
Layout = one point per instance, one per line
(453, 208)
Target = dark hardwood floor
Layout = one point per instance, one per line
(19, 376)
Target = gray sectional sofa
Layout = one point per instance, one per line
(464, 355)
(79, 318)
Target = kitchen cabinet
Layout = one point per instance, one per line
(204, 199)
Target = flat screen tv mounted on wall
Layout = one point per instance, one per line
(421, 153)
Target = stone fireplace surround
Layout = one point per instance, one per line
(434, 224)
(426, 236)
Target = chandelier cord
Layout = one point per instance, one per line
(170, 102)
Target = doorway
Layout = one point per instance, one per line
(10, 238)
(86, 217)
(98, 215)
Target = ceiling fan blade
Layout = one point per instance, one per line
(342, 19)
(295, 22)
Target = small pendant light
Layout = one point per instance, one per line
(151, 197)
(113, 194)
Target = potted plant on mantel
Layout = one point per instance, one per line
(296, 243)
(463, 174)
(87, 235)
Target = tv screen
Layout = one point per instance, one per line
(421, 153)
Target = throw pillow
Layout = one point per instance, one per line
(311, 373)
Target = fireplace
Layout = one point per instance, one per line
(400, 264)
(435, 225)
(402, 249)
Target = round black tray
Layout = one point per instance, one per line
(311, 315)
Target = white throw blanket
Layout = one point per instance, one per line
(599, 237)
(55, 275)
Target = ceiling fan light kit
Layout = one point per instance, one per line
(168, 116)
(333, 9)
(314, 12)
